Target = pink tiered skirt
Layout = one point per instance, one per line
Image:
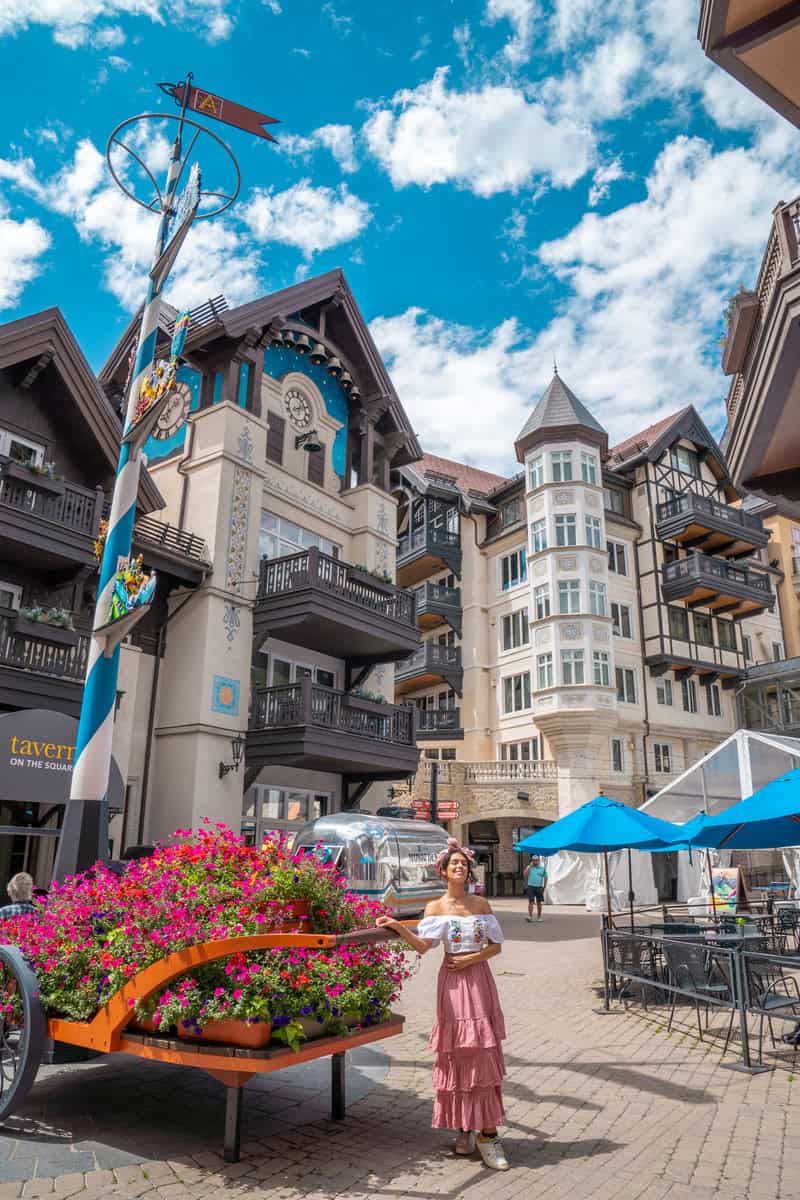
(466, 1039)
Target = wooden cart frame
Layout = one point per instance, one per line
(22, 1047)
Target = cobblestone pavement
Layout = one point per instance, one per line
(598, 1107)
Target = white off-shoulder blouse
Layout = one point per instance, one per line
(461, 935)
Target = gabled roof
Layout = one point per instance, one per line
(638, 443)
(46, 333)
(561, 411)
(467, 478)
(652, 442)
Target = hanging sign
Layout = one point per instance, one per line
(207, 104)
(37, 753)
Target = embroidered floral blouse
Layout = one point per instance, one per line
(461, 935)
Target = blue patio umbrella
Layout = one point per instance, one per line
(768, 819)
(601, 825)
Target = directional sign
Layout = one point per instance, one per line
(208, 104)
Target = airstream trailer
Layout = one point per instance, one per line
(382, 857)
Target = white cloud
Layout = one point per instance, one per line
(488, 141)
(521, 14)
(602, 82)
(604, 176)
(274, 7)
(73, 21)
(338, 139)
(301, 50)
(119, 64)
(22, 246)
(310, 218)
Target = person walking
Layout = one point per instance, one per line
(536, 881)
(469, 1029)
(20, 892)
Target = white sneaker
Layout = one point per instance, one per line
(491, 1151)
(541, 918)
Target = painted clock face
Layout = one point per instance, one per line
(298, 409)
(174, 413)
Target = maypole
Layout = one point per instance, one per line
(124, 590)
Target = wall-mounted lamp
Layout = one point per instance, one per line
(523, 796)
(308, 441)
(237, 749)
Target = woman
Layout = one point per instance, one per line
(469, 1066)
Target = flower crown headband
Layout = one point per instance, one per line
(451, 847)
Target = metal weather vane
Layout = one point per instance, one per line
(125, 591)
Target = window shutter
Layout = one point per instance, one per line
(275, 430)
(316, 467)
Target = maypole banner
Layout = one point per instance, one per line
(208, 104)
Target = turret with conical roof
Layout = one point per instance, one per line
(559, 415)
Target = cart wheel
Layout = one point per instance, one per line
(23, 1032)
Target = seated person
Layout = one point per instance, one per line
(20, 890)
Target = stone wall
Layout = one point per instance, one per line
(487, 800)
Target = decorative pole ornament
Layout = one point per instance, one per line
(125, 590)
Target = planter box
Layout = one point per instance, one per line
(246, 1034)
(44, 483)
(295, 916)
(46, 633)
(370, 706)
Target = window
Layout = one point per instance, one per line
(684, 460)
(777, 651)
(516, 692)
(689, 690)
(617, 755)
(713, 700)
(795, 550)
(617, 561)
(279, 537)
(597, 599)
(279, 804)
(703, 629)
(536, 473)
(324, 678)
(276, 427)
(626, 685)
(621, 620)
(614, 500)
(572, 666)
(569, 596)
(726, 632)
(566, 533)
(541, 600)
(316, 467)
(600, 668)
(561, 466)
(746, 643)
(513, 569)
(662, 753)
(515, 629)
(510, 513)
(526, 751)
(593, 532)
(538, 536)
(588, 468)
(664, 691)
(544, 670)
(447, 754)
(679, 624)
(10, 595)
(21, 449)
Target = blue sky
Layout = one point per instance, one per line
(503, 181)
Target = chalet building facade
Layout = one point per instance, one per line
(59, 440)
(585, 624)
(277, 451)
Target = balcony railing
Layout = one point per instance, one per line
(40, 656)
(312, 568)
(428, 535)
(690, 502)
(512, 771)
(437, 595)
(698, 566)
(68, 504)
(430, 656)
(308, 703)
(170, 538)
(438, 720)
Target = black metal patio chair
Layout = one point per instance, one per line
(690, 968)
(771, 993)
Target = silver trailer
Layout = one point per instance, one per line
(382, 857)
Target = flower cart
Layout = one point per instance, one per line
(166, 962)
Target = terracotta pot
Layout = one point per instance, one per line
(312, 1027)
(296, 915)
(248, 1035)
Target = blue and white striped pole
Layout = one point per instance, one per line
(84, 836)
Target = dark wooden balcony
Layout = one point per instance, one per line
(437, 605)
(700, 523)
(170, 550)
(322, 729)
(46, 522)
(324, 604)
(716, 584)
(432, 664)
(443, 724)
(38, 673)
(426, 550)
